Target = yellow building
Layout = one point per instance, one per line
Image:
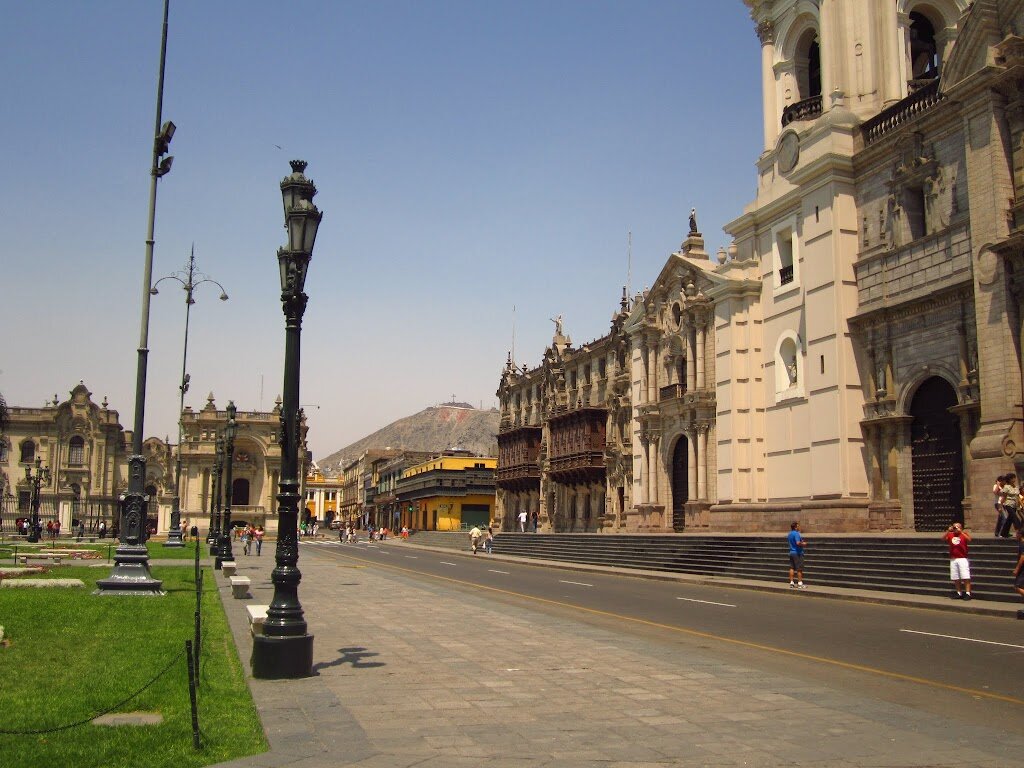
(449, 492)
(323, 497)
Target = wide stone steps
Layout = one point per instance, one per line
(911, 565)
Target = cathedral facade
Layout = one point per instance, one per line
(853, 360)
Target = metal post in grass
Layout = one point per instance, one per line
(285, 648)
(192, 676)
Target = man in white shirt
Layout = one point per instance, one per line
(522, 521)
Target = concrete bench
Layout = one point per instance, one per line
(257, 615)
(239, 587)
(228, 567)
(55, 559)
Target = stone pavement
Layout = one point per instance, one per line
(411, 672)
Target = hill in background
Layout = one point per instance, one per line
(453, 425)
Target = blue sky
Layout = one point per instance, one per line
(470, 157)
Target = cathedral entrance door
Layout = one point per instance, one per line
(936, 457)
(680, 484)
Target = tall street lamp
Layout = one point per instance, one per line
(230, 431)
(218, 470)
(190, 279)
(131, 574)
(285, 649)
(42, 475)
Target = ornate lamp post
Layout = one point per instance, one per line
(42, 475)
(230, 431)
(190, 280)
(218, 470)
(131, 574)
(285, 649)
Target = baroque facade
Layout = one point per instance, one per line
(86, 450)
(854, 358)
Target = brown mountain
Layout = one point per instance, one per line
(453, 425)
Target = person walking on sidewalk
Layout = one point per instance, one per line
(522, 521)
(489, 540)
(1009, 500)
(474, 538)
(959, 566)
(796, 555)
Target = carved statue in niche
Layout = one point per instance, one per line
(937, 201)
(791, 370)
(890, 229)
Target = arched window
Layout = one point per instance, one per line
(924, 51)
(28, 452)
(4, 449)
(808, 65)
(76, 451)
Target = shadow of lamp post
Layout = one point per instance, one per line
(285, 649)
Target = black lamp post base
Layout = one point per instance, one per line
(282, 658)
(174, 540)
(131, 575)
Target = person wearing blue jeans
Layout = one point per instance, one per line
(796, 555)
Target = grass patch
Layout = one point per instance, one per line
(72, 655)
(158, 551)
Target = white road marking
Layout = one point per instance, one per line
(443, 562)
(968, 639)
(411, 557)
(490, 570)
(577, 583)
(706, 602)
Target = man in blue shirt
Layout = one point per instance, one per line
(796, 556)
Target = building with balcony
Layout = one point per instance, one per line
(450, 491)
(853, 359)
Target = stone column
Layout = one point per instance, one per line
(702, 462)
(691, 356)
(965, 364)
(701, 333)
(645, 485)
(654, 469)
(691, 462)
(645, 359)
(766, 33)
(652, 373)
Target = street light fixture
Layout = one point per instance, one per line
(190, 279)
(131, 574)
(230, 431)
(285, 649)
(42, 475)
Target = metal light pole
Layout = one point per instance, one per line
(218, 470)
(42, 475)
(285, 649)
(131, 574)
(190, 280)
(211, 532)
(230, 431)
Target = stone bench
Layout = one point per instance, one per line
(240, 587)
(55, 559)
(228, 567)
(257, 615)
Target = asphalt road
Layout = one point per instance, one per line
(934, 661)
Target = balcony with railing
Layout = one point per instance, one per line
(805, 109)
(903, 111)
(786, 274)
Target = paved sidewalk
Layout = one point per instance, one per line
(406, 676)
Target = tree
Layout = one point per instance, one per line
(4, 415)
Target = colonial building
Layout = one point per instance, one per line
(323, 496)
(86, 450)
(854, 358)
(448, 492)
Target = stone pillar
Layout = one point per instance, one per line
(691, 356)
(894, 433)
(645, 485)
(766, 33)
(701, 334)
(645, 359)
(652, 373)
(702, 463)
(965, 363)
(691, 462)
(830, 51)
(654, 469)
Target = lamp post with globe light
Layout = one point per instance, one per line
(285, 648)
(190, 279)
(230, 432)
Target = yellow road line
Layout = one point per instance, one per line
(711, 636)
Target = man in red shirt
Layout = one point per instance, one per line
(959, 567)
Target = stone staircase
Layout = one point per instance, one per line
(909, 564)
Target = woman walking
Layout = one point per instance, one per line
(1010, 501)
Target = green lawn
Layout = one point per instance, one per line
(71, 655)
(158, 551)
